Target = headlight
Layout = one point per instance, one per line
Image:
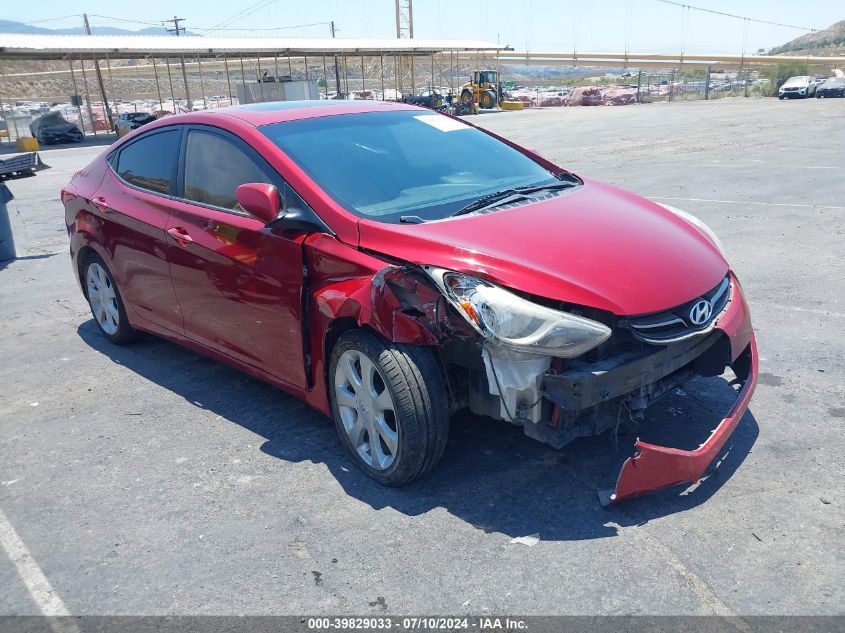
(689, 217)
(513, 322)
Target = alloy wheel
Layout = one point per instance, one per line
(101, 296)
(366, 409)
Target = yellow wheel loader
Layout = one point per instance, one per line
(485, 90)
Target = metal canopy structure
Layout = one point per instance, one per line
(233, 59)
(59, 47)
(657, 60)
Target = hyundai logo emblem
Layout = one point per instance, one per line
(700, 312)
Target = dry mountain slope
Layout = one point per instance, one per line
(829, 41)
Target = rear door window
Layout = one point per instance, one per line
(215, 167)
(150, 161)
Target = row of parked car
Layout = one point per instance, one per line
(805, 86)
(132, 120)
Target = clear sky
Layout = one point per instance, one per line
(540, 25)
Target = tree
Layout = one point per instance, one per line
(780, 72)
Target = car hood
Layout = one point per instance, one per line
(595, 245)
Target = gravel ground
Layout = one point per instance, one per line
(149, 480)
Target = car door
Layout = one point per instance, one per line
(133, 205)
(239, 282)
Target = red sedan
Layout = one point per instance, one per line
(390, 266)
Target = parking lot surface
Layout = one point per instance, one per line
(149, 480)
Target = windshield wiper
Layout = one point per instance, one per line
(506, 196)
(411, 219)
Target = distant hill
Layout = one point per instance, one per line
(9, 26)
(829, 41)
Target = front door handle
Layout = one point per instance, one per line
(180, 234)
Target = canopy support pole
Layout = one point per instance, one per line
(75, 94)
(381, 69)
(170, 81)
(260, 79)
(228, 80)
(158, 87)
(202, 84)
(185, 79)
(88, 97)
(247, 98)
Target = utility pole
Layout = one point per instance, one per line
(405, 30)
(336, 70)
(99, 78)
(178, 30)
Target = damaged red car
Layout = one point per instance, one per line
(391, 266)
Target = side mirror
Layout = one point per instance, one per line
(260, 200)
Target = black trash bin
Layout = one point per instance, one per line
(7, 242)
(20, 166)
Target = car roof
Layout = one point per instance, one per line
(279, 111)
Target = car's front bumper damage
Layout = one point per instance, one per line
(656, 467)
(589, 398)
(555, 400)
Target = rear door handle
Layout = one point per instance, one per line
(180, 234)
(100, 203)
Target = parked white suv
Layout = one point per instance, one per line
(797, 87)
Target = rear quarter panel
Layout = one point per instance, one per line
(83, 227)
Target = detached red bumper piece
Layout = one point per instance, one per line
(656, 467)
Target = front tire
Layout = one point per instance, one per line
(488, 99)
(389, 405)
(105, 302)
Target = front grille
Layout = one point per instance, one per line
(677, 323)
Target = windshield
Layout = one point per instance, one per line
(835, 81)
(385, 165)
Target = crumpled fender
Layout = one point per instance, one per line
(736, 321)
(347, 283)
(656, 467)
(372, 301)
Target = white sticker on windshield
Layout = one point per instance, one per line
(442, 123)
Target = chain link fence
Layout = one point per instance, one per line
(693, 85)
(644, 86)
(161, 86)
(165, 86)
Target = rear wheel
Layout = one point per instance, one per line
(389, 405)
(105, 301)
